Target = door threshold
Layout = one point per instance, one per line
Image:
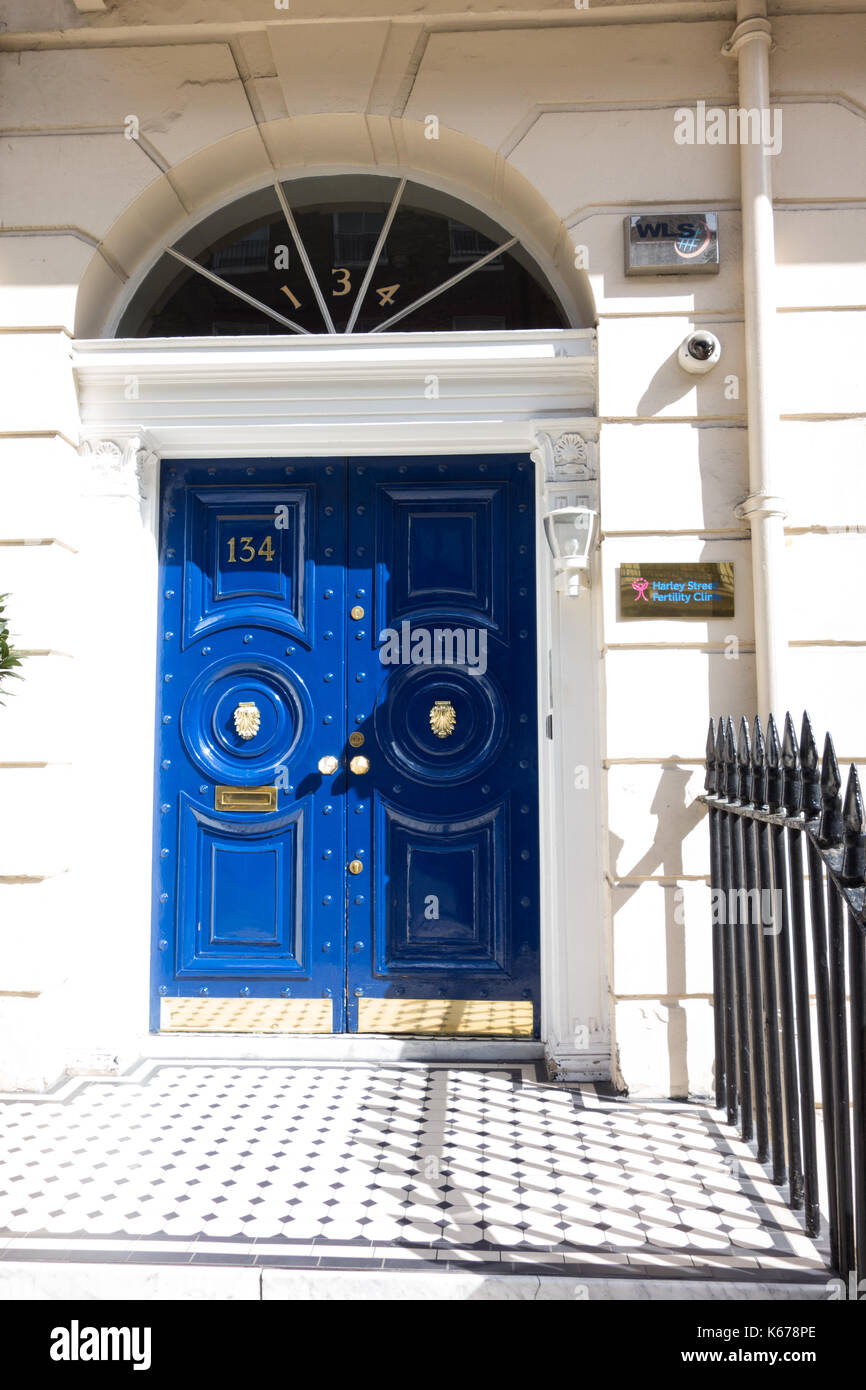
(338, 1047)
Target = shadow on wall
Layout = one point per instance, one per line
(728, 649)
(675, 818)
(669, 383)
(725, 382)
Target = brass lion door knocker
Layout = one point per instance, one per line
(247, 719)
(443, 718)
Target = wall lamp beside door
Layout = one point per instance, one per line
(571, 534)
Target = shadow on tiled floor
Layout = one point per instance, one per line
(387, 1166)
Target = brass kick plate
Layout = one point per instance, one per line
(246, 799)
(480, 1017)
(246, 1016)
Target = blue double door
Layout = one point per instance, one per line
(347, 810)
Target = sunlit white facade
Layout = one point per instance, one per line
(125, 126)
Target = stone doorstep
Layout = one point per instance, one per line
(643, 1261)
(42, 1281)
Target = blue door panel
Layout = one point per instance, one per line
(436, 551)
(251, 694)
(375, 610)
(213, 743)
(245, 553)
(402, 722)
(442, 690)
(242, 886)
(440, 893)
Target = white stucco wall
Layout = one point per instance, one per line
(561, 129)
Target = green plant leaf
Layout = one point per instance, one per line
(9, 658)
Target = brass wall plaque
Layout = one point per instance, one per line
(701, 590)
(245, 799)
(449, 1017)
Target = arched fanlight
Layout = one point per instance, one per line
(522, 299)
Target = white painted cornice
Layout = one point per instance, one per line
(410, 392)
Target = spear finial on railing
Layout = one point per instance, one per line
(774, 767)
(831, 828)
(744, 758)
(759, 765)
(731, 771)
(792, 782)
(721, 769)
(854, 854)
(810, 797)
(710, 779)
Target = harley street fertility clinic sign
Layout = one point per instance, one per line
(702, 590)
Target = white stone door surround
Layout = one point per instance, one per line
(146, 401)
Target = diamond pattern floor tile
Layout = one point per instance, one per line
(404, 1161)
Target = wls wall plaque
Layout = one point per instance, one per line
(672, 243)
(703, 590)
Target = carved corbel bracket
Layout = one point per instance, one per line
(113, 469)
(569, 458)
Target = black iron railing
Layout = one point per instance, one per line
(788, 878)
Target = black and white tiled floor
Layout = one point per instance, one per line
(391, 1166)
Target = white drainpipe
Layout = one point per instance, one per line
(763, 508)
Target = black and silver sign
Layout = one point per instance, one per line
(672, 243)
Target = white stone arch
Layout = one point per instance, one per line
(181, 197)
